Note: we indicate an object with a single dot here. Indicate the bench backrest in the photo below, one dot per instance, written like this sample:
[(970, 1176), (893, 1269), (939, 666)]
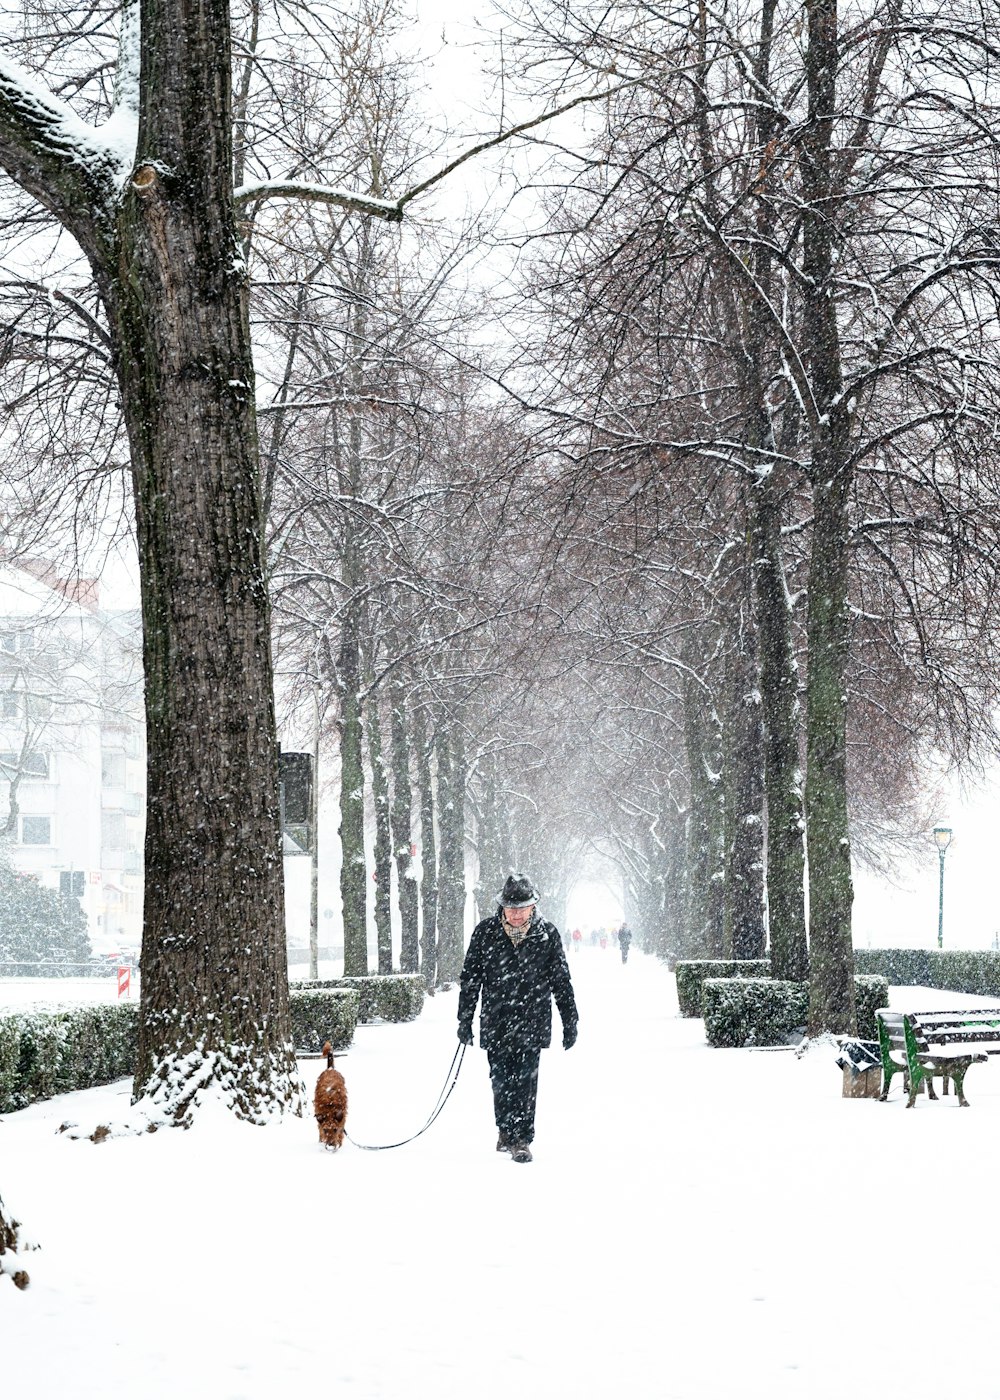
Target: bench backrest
[(891, 1035), (973, 1027)]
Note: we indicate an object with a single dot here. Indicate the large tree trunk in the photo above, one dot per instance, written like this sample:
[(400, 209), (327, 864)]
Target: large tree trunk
[(744, 799), (214, 936), (778, 672), (831, 987), (786, 863), (831, 1004)]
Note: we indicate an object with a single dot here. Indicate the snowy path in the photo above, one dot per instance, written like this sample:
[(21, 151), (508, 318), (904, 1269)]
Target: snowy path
[(696, 1225)]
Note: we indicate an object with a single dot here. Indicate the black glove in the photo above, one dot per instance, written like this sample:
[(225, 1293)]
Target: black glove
[(569, 1036), (465, 1034)]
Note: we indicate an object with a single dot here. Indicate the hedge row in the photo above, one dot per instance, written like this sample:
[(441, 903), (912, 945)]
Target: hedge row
[(691, 975), (399, 997), (742, 1011), (903, 967), (43, 1053), (949, 970), (870, 993), (320, 1014)]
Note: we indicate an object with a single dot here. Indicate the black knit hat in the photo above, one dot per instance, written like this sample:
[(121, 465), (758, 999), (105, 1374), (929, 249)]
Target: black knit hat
[(518, 892)]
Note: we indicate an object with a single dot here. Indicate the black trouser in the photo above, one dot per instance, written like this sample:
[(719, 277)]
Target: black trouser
[(514, 1073)]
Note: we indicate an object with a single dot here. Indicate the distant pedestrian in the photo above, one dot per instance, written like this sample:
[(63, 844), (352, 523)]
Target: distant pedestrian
[(577, 940), (516, 961), (624, 939)]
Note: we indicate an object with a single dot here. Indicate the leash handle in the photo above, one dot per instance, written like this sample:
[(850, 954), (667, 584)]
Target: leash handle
[(443, 1098)]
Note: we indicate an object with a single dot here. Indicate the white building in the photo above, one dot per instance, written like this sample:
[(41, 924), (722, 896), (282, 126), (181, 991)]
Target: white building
[(72, 751)]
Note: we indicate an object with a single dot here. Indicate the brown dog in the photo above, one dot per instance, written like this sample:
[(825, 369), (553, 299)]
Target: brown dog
[(330, 1103)]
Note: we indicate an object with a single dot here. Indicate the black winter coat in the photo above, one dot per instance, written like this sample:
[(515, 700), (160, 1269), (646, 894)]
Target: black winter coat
[(517, 985)]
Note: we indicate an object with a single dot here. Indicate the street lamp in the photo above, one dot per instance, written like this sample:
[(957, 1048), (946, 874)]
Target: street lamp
[(942, 839)]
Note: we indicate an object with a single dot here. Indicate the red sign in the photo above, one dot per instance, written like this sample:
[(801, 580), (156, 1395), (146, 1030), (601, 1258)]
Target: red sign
[(95, 877), (124, 981)]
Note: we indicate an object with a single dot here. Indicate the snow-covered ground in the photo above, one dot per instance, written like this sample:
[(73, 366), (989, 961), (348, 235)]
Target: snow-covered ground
[(697, 1225)]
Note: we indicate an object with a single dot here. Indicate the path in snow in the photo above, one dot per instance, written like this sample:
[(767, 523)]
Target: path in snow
[(696, 1225)]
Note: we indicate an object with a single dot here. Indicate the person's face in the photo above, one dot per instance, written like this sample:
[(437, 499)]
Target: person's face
[(517, 918)]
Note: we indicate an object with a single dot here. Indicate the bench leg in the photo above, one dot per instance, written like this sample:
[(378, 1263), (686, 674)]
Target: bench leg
[(887, 1079), (959, 1078)]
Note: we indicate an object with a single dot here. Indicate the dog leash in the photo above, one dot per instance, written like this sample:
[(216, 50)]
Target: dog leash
[(443, 1098)]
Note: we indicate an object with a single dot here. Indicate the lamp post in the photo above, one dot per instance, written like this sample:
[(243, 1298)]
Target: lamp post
[(942, 839)]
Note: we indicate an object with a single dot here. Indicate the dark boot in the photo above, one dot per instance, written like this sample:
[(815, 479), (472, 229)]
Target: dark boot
[(520, 1152), (503, 1143)]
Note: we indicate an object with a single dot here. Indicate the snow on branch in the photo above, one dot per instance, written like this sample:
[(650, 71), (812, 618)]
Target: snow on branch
[(55, 155), (259, 190)]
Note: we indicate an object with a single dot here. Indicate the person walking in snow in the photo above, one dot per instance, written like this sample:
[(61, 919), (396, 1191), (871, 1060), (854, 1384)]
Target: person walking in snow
[(624, 939), (516, 961)]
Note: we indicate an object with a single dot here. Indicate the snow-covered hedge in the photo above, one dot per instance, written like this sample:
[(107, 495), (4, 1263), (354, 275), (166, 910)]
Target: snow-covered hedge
[(901, 967), (869, 994), (43, 1053), (742, 1011), (691, 975), (321, 1014), (760, 1011), (949, 970), (399, 997)]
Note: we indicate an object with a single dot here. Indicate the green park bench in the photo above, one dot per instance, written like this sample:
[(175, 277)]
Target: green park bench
[(935, 1044)]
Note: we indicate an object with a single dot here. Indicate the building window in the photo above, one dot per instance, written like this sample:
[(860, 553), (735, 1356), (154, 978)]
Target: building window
[(38, 708), (112, 769), (14, 640), (113, 830), (36, 831), (33, 764), (72, 883), (10, 705)]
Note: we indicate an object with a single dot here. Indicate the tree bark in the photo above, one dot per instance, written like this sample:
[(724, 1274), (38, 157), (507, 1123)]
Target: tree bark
[(214, 974), (831, 1004), (451, 805), (786, 866), (383, 838), (831, 986), (744, 798), (428, 850), (492, 871), (353, 882), (704, 930), (402, 831)]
